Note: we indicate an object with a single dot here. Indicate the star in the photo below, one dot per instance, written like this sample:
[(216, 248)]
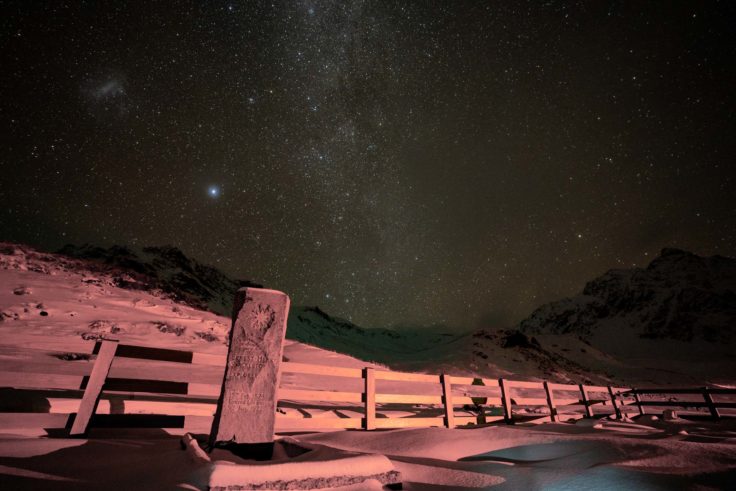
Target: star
[(377, 158)]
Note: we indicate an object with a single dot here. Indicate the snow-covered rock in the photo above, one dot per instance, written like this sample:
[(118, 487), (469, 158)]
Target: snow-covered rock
[(679, 296)]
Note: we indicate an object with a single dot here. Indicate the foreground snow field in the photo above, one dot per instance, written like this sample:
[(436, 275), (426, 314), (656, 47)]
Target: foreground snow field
[(589, 454), (61, 308)]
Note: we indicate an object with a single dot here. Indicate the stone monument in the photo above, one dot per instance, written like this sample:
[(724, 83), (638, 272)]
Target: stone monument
[(243, 428), (246, 411)]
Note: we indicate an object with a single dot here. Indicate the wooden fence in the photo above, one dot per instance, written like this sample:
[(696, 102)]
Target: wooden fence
[(136, 386)]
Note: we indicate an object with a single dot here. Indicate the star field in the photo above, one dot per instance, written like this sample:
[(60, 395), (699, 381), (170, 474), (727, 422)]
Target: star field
[(394, 163)]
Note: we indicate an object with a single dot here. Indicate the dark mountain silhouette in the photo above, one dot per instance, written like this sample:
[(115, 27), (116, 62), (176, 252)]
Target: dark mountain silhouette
[(679, 296)]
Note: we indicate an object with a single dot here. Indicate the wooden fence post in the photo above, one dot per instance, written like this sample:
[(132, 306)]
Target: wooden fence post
[(369, 398), (616, 409), (711, 405), (638, 402), (96, 381), (447, 400), (550, 402), (586, 402), (506, 401)]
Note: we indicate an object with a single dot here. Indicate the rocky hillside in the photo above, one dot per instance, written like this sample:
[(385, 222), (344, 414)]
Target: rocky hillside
[(167, 272), (164, 268), (671, 322), (679, 296)]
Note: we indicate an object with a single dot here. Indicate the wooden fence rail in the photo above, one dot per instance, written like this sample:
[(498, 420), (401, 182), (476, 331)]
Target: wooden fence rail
[(180, 390), (706, 393)]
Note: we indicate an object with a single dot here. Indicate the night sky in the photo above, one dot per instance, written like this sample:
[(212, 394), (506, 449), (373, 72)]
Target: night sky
[(392, 162)]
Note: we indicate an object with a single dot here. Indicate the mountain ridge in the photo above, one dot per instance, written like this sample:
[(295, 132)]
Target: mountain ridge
[(679, 296), (595, 337)]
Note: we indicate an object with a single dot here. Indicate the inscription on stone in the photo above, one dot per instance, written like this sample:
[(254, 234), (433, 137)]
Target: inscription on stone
[(247, 406)]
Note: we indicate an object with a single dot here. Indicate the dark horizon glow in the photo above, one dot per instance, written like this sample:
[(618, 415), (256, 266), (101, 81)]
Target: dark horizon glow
[(459, 163)]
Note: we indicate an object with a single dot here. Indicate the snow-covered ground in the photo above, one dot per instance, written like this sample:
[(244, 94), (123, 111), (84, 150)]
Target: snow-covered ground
[(62, 308), (647, 454)]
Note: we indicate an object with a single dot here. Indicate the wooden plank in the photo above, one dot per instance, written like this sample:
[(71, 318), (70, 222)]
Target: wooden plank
[(409, 422), (629, 409), (458, 400), (128, 406), (613, 402), (130, 368), (621, 390), (408, 399), (447, 400), (123, 368), (169, 408), (51, 366), (629, 401), (505, 401), (46, 346), (681, 390), (150, 353), (10, 421), (721, 390), (563, 387), (42, 350), (292, 367), (711, 406), (204, 390), (524, 384), (567, 402), (94, 387), (198, 424), (286, 423), (39, 381), (679, 404), (530, 401), (318, 395), (148, 386), (369, 398), (596, 388), (475, 390), (487, 382), (407, 377), (638, 404), (586, 403), (48, 343), (550, 402), (209, 359)]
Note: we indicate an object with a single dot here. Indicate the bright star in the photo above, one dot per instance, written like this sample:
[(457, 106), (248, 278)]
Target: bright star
[(213, 191)]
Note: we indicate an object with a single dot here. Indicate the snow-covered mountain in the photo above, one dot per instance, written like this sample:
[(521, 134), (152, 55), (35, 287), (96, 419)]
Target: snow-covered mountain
[(52, 305), (677, 316), (164, 268), (679, 296), (167, 273), (671, 322)]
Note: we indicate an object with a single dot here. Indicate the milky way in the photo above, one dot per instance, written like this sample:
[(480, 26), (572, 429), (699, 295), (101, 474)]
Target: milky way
[(451, 162)]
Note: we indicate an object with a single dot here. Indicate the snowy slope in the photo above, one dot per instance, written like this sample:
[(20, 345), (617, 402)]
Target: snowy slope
[(51, 302), (164, 268), (678, 296), (614, 331), (174, 301), (676, 317)]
